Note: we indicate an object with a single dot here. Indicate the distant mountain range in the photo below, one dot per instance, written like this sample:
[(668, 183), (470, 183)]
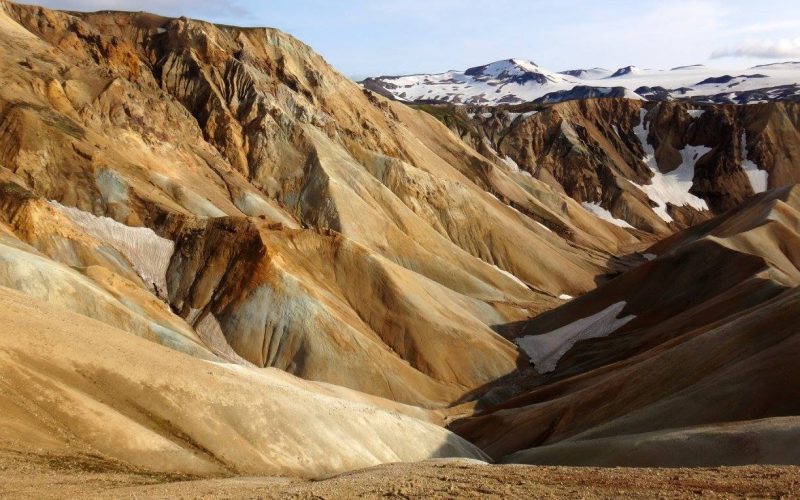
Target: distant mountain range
[(515, 81)]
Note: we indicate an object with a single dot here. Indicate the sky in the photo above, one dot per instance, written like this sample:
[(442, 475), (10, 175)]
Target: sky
[(394, 37)]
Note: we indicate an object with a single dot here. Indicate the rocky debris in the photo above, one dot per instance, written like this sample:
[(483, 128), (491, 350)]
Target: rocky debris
[(53, 476)]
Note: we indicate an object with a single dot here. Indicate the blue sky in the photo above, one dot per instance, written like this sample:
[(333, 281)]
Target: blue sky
[(376, 37)]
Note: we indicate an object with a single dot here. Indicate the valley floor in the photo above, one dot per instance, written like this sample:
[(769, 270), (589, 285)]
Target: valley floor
[(47, 476)]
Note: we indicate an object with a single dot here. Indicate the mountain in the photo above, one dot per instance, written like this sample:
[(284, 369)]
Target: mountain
[(223, 263), (500, 82), (234, 205), (682, 360), (628, 71), (656, 167), (521, 81), (588, 74)]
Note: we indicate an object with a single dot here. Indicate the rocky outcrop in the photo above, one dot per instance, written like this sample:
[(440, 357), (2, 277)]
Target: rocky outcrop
[(656, 166)]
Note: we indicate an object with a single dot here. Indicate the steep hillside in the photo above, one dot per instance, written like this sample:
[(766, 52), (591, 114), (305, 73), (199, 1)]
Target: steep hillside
[(76, 387), (287, 217), (657, 167), (682, 360)]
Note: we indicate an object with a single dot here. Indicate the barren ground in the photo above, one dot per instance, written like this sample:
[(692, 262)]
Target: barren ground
[(48, 476)]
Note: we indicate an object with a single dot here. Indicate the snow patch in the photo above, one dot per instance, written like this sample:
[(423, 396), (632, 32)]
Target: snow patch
[(511, 163), (759, 179), (696, 113), (601, 213), (148, 253), (630, 94), (564, 296), (672, 187), (650, 256), (519, 281), (547, 349), (524, 116)]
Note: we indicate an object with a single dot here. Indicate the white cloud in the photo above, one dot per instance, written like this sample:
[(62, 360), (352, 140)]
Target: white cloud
[(763, 49)]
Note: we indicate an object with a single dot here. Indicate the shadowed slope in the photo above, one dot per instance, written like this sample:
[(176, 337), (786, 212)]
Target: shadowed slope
[(711, 340)]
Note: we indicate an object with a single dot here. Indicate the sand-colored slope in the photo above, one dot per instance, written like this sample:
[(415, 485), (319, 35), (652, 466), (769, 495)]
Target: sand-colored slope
[(124, 306), (320, 306), (328, 309), (226, 193), (75, 385), (162, 125), (707, 338)]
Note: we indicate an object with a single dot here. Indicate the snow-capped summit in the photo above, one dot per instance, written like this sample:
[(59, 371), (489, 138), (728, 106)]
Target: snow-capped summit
[(512, 81), (517, 71), (506, 67), (588, 74), (628, 70), (501, 82)]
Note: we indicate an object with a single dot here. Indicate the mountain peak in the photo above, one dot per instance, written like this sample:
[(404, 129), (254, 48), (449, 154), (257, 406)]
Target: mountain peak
[(587, 74), (504, 68), (627, 70)]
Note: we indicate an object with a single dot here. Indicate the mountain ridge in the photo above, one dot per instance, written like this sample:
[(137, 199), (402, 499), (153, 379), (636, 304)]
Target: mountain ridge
[(531, 83)]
